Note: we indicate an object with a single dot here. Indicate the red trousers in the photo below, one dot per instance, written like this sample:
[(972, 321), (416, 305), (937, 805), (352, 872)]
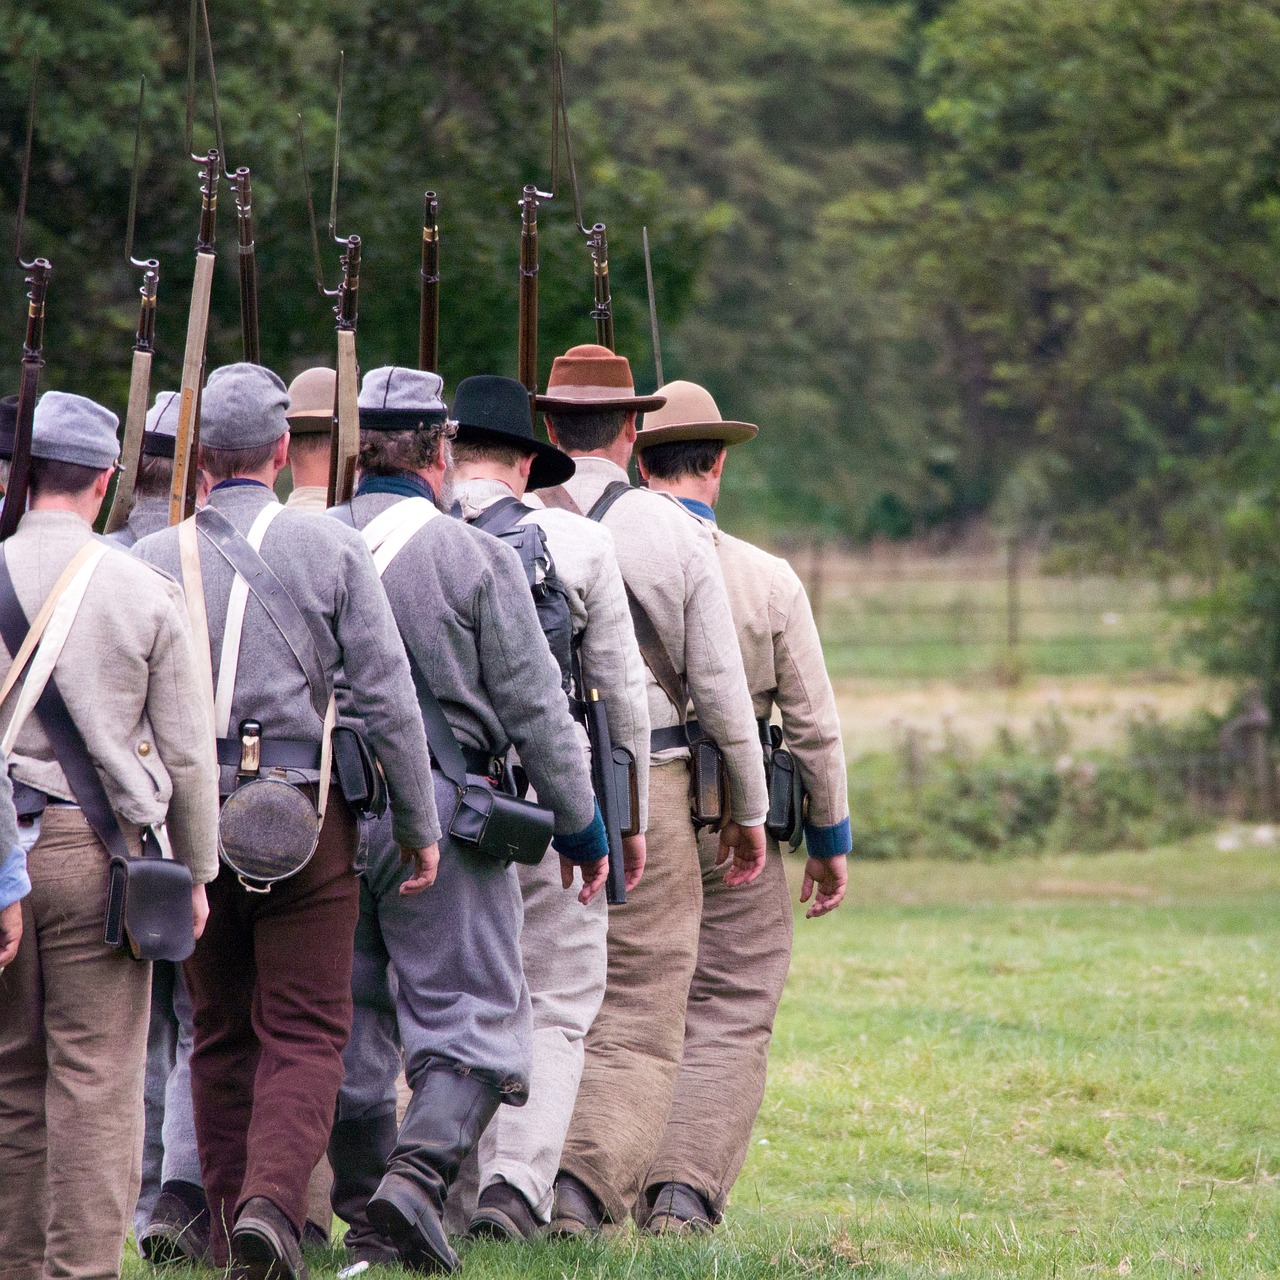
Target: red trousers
[(270, 985)]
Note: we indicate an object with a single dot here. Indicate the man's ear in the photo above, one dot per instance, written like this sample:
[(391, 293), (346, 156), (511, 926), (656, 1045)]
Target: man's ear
[(551, 430), (526, 466), (717, 467), (103, 482), (629, 431), (281, 458), (644, 471)]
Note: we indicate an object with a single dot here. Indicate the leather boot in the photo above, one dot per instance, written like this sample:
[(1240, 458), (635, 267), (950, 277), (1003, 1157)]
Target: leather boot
[(445, 1118), (358, 1151)]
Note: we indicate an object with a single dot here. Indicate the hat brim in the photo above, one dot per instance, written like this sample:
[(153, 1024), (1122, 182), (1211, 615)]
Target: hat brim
[(311, 423), (728, 433), (551, 466), (551, 403)]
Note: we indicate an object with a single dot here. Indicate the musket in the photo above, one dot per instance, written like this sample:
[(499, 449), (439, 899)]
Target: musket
[(429, 273), (528, 335), (143, 348), (186, 447), (243, 190), (38, 271), (345, 438), (653, 309)]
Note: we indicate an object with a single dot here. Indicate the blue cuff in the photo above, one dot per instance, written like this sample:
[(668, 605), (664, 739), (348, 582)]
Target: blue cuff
[(588, 845), (14, 881), (828, 842)]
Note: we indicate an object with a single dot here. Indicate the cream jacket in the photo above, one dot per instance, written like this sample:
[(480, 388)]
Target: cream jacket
[(129, 678), (309, 497)]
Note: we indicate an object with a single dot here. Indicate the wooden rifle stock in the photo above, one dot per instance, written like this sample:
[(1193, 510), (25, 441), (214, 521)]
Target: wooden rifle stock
[(248, 266), (602, 312), (15, 499), (136, 416), (429, 271), (345, 440), (528, 348)]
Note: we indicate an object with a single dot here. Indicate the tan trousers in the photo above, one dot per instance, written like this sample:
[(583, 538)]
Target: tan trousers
[(744, 950), (73, 1044), (634, 1048)]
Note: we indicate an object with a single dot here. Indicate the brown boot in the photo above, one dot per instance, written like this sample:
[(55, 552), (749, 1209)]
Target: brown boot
[(575, 1210), (264, 1244), (678, 1209)]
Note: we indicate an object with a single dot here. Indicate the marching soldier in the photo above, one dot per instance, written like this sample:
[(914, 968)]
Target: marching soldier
[(486, 681), (150, 511), (271, 980), (73, 1012), (310, 415), (744, 943), (496, 458), (686, 636)]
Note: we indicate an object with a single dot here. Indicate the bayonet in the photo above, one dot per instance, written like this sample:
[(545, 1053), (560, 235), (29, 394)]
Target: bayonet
[(653, 310), (429, 272), (143, 350), (38, 271)]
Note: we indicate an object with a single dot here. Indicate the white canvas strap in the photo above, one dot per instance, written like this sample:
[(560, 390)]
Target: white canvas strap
[(237, 602), (47, 636), (388, 532)]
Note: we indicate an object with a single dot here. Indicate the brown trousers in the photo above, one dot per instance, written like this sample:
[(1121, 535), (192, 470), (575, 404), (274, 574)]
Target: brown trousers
[(744, 951), (73, 1045), (634, 1048), (270, 985)]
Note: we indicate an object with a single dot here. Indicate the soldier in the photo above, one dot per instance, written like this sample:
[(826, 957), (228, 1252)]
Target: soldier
[(311, 397), (150, 511), (486, 681), (271, 981), (496, 458), (686, 636), (744, 943), (73, 1012)]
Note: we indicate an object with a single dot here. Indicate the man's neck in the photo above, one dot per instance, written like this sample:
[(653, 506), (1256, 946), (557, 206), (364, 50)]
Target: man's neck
[(695, 487), (306, 476), (508, 476), (619, 453), (264, 475), (84, 505)]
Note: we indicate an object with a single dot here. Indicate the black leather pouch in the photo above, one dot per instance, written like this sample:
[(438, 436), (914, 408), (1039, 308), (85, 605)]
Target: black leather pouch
[(708, 785), (501, 826), (359, 776), (786, 797), (627, 789), (149, 906)]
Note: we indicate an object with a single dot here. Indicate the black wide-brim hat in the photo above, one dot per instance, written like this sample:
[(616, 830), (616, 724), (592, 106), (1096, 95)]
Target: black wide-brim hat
[(494, 410)]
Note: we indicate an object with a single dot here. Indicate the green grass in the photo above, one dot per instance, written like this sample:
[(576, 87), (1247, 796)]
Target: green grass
[(1057, 1067)]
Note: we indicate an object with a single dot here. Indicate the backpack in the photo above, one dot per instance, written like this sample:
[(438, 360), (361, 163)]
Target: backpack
[(550, 598)]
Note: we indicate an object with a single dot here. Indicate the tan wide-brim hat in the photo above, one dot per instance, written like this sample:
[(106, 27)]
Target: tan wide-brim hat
[(311, 402), (691, 414), (589, 378)]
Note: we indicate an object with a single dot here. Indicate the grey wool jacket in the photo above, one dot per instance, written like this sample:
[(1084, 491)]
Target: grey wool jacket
[(588, 570), (668, 561), (464, 610), (129, 677), (328, 571), (149, 515)]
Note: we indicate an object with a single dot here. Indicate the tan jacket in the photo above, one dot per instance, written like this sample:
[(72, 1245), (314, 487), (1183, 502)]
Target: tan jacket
[(309, 497), (128, 675), (588, 570), (782, 655), (668, 560)]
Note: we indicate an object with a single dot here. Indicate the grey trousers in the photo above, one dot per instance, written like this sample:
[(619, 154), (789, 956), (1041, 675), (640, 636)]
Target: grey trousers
[(169, 1137), (564, 948), (437, 974)]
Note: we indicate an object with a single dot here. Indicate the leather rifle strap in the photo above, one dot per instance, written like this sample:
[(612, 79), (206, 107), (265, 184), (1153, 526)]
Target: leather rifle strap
[(558, 496)]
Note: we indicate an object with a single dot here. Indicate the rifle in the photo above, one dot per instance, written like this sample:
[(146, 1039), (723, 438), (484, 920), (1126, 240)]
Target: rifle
[(143, 349), (186, 448), (429, 271), (653, 310), (38, 272), (243, 189), (528, 339), (345, 438)]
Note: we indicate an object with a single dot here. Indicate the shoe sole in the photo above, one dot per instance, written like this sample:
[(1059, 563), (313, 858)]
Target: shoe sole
[(259, 1254), (493, 1224), (416, 1253), (669, 1225), (165, 1247)]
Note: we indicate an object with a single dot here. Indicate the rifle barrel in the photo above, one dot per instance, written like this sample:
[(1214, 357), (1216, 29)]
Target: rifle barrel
[(429, 305), (15, 503), (602, 312), (248, 267), (528, 348)]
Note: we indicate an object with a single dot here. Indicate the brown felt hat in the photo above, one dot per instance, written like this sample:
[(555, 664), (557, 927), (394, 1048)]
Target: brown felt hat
[(691, 414), (589, 378), (311, 402)]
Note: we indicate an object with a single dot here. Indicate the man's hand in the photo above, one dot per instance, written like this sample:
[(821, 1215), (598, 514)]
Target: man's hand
[(426, 861), (829, 876), (745, 845), (199, 908), (10, 932), (634, 854), (594, 876)]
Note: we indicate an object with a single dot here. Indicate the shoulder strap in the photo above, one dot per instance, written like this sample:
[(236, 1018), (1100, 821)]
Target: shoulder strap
[(389, 532), (270, 592), (558, 496), (612, 492), (55, 718), (502, 516)]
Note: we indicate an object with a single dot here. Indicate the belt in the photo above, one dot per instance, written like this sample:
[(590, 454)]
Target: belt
[(274, 753), (676, 735)]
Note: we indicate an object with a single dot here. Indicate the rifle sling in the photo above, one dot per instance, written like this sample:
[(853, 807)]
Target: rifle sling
[(69, 747)]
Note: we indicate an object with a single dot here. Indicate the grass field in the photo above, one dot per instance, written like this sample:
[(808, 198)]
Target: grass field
[(1047, 1068)]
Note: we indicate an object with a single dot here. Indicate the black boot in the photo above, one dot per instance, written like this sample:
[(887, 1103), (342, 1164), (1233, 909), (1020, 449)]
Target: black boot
[(446, 1116), (358, 1151)]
